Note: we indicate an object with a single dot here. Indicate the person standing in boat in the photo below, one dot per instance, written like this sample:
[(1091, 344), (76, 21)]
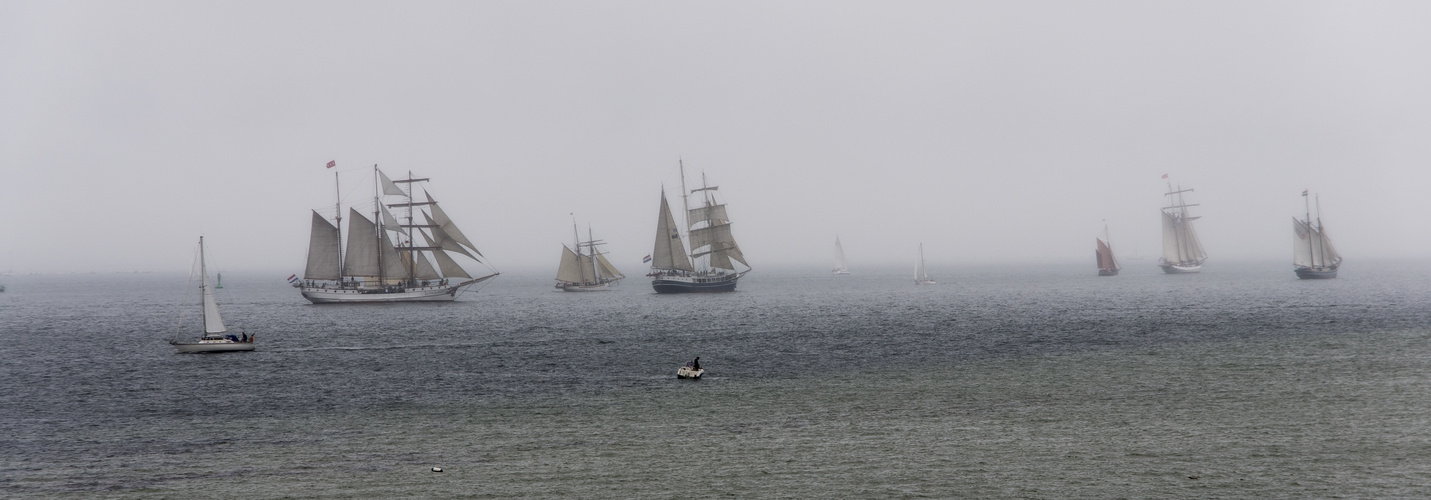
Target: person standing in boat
[(696, 365)]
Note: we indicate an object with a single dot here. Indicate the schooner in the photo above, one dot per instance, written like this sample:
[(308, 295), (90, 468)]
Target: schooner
[(1107, 264), (1182, 252), (708, 267), (375, 269), (587, 271), (1312, 253)]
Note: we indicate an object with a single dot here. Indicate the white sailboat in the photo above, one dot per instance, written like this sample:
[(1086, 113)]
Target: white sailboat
[(708, 267), (1182, 251), (216, 337), (1107, 264), (921, 275), (1313, 255), (374, 269), (587, 271), (841, 265)]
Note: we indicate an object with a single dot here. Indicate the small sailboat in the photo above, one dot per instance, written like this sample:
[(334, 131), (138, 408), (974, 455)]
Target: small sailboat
[(1182, 251), (1107, 264), (691, 370), (708, 267), (587, 271), (921, 275), (841, 265), (216, 337), (1313, 255)]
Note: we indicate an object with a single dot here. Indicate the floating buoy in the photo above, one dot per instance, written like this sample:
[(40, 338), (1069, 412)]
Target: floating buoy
[(437, 469)]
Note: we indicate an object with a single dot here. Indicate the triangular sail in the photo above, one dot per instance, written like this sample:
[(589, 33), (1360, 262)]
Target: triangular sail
[(424, 269), (607, 270), (1302, 244), (440, 238), (840, 263), (669, 252), (447, 226), (1106, 260), (323, 257), (389, 187), (449, 267), (213, 323)]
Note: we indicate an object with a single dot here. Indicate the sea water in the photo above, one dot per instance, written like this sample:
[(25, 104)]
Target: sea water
[(1008, 381)]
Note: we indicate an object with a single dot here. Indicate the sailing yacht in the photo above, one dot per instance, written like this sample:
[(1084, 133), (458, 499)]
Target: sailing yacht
[(1313, 255), (921, 275), (374, 269), (216, 337), (1182, 252), (1107, 264), (587, 271), (841, 265), (709, 266)]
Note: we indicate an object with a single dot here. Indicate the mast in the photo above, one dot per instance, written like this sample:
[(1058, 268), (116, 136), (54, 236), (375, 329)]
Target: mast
[(338, 209), (686, 209), (1307, 202), (591, 244), (1321, 250), (378, 224), (203, 287)]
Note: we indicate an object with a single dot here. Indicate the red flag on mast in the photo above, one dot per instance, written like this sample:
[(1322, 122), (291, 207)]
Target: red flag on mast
[(334, 163)]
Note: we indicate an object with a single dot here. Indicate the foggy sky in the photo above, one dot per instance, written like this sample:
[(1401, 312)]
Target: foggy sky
[(989, 131)]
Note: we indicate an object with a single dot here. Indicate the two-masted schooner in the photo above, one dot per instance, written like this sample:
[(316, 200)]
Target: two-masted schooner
[(841, 265), (1313, 255), (1182, 252), (709, 266), (374, 268), (1107, 264), (585, 271)]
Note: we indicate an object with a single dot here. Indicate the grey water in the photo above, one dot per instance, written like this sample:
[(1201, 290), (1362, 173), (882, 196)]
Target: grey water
[(1007, 381)]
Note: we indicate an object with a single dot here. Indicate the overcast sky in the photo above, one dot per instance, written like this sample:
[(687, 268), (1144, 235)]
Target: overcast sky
[(990, 131)]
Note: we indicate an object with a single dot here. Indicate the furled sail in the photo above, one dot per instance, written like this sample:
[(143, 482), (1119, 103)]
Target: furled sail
[(669, 252), (323, 244)]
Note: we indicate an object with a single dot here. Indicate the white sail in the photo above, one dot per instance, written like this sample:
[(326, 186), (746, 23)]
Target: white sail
[(449, 267), (570, 269), (389, 187), (1181, 245), (390, 223), (323, 257), (424, 269), (1106, 260), (841, 266), (362, 260), (448, 227), (213, 323), (441, 239), (669, 252), (1302, 244), (1328, 251), (608, 270), (713, 214)]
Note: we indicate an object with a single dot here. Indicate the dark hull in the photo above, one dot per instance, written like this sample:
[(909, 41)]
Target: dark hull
[(1308, 273), (673, 286)]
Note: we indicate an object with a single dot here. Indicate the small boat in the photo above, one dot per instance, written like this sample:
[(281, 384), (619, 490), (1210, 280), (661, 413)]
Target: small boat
[(708, 268), (585, 271), (1182, 251), (692, 370), (1313, 255), (1107, 264), (921, 275), (841, 265), (219, 280), (216, 337)]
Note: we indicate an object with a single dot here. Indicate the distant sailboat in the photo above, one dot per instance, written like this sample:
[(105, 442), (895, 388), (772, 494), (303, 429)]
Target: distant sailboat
[(219, 282), (373, 268), (587, 271), (921, 275), (1182, 252), (709, 267), (841, 266), (1313, 255), (1107, 264), (216, 337)]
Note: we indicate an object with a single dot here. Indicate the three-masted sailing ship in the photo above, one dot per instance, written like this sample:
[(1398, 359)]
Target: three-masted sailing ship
[(373, 268), (585, 271), (709, 266), (1313, 255), (841, 265), (1107, 264), (1182, 252)]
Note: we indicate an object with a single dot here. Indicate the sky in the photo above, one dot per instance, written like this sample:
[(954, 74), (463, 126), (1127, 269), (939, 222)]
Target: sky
[(992, 132)]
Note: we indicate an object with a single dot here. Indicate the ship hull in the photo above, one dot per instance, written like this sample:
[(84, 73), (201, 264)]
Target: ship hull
[(359, 295), (694, 284), (603, 287), (1309, 273), (1107, 272), (1171, 268), (222, 346)]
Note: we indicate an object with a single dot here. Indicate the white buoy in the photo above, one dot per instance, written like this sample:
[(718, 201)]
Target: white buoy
[(437, 469)]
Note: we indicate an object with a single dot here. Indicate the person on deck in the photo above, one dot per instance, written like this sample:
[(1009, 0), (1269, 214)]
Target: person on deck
[(696, 365)]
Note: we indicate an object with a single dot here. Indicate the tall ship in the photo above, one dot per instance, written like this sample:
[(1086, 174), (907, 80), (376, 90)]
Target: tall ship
[(841, 265), (709, 267), (375, 269), (1107, 263), (586, 269), (1182, 252), (1313, 255)]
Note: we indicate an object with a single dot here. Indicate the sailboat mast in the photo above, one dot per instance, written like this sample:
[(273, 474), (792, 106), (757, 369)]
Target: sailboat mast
[(1320, 238), (338, 209), (203, 287), (411, 242), (378, 224), (686, 205), (591, 244)]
